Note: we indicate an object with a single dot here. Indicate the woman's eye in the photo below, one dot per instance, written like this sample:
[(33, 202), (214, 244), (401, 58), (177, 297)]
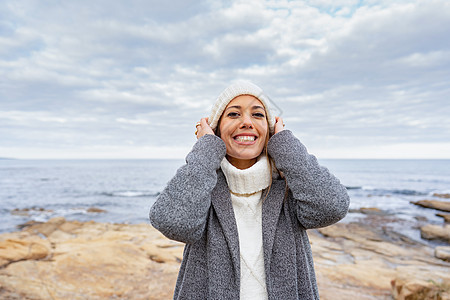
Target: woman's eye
[(233, 114), (259, 115)]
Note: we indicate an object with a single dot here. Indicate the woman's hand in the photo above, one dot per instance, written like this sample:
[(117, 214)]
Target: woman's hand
[(203, 128), (279, 125)]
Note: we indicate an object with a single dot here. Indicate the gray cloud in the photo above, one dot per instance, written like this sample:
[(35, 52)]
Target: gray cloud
[(113, 77)]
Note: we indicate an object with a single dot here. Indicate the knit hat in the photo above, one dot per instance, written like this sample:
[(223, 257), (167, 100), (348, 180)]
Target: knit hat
[(237, 89)]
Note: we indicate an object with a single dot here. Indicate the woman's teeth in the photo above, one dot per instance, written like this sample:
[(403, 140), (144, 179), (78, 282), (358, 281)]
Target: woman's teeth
[(244, 138)]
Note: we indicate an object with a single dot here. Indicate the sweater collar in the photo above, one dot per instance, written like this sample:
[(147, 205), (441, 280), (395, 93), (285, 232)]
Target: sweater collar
[(250, 180)]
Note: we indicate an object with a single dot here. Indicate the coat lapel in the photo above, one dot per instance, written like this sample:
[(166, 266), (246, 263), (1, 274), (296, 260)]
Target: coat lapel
[(270, 213), (221, 202)]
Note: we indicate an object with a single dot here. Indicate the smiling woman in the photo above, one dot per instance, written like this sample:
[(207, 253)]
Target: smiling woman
[(244, 129), (242, 204)]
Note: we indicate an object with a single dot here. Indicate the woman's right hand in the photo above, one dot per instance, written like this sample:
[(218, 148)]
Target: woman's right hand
[(203, 128)]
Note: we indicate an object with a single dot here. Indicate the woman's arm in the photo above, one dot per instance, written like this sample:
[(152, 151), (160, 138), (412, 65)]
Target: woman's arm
[(181, 210), (320, 199)]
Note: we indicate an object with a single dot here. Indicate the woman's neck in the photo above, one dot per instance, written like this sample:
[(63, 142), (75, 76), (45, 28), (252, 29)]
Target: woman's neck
[(241, 164)]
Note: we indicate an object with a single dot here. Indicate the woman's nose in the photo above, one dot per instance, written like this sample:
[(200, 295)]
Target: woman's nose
[(246, 121)]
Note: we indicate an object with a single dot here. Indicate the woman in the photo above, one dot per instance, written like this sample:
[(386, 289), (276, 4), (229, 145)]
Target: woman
[(242, 204)]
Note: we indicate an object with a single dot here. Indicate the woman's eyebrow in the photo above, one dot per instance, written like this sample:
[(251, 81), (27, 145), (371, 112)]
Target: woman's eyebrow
[(239, 107), (234, 106), (258, 106)]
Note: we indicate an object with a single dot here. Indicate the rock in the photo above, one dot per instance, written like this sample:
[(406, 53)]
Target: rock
[(27, 211), (28, 224), (407, 289), (435, 204), (369, 211), (445, 216), (421, 218), (30, 248), (442, 252), (95, 210), (436, 232), (447, 196), (88, 260), (48, 227)]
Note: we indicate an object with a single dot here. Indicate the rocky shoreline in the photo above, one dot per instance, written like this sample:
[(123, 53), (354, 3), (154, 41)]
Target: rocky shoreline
[(62, 259)]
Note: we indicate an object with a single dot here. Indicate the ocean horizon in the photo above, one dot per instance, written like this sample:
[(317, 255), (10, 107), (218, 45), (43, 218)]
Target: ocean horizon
[(122, 190)]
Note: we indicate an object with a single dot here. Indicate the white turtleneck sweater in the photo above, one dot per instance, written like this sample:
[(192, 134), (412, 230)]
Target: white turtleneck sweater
[(246, 188)]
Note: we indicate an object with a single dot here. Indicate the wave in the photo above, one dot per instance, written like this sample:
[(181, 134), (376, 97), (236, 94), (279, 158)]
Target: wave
[(377, 191), (130, 194), (353, 187)]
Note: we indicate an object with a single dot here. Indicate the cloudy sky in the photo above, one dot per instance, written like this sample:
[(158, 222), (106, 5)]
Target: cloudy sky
[(129, 79)]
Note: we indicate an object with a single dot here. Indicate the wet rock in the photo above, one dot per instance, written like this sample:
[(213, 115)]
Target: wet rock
[(95, 210), (435, 204), (28, 211), (370, 211), (28, 224), (445, 216), (447, 196), (436, 232), (442, 252), (48, 227)]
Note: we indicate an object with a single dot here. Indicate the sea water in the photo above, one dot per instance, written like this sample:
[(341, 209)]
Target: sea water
[(125, 189)]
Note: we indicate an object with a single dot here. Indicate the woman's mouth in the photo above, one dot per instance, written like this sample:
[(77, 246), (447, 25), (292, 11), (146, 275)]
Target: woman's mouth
[(245, 138)]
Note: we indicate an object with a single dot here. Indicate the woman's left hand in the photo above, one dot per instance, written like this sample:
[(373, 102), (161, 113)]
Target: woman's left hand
[(279, 125)]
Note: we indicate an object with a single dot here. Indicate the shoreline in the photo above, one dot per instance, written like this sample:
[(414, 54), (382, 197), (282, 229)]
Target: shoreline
[(61, 259)]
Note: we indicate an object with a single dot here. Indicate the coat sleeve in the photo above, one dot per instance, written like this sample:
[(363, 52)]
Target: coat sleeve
[(319, 198), (181, 210)]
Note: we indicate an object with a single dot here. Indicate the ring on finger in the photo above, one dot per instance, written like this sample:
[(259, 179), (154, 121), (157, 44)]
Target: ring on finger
[(198, 123), (196, 131)]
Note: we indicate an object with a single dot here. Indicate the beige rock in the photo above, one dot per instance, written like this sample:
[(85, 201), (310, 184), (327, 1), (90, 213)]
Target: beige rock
[(442, 252), (436, 232), (95, 210), (93, 261), (107, 261), (48, 227), (445, 216), (442, 195), (435, 204), (31, 248), (413, 289)]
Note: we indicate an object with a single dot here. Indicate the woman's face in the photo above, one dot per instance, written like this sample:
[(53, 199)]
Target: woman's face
[(243, 127)]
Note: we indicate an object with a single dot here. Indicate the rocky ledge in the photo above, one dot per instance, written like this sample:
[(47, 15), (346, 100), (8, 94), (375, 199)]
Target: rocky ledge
[(63, 259)]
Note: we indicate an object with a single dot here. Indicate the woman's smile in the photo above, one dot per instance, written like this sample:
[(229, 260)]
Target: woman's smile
[(245, 139)]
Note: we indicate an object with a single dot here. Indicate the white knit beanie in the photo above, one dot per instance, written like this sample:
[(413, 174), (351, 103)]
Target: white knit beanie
[(237, 89)]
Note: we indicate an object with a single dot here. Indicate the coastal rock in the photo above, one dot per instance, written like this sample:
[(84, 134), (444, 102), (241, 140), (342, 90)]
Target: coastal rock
[(26, 247), (447, 196), (442, 252), (88, 260), (27, 211), (369, 211), (435, 204), (407, 289), (48, 227), (95, 210), (436, 232), (357, 258), (445, 216)]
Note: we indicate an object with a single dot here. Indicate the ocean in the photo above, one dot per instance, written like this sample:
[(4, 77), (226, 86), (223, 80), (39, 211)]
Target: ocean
[(125, 189)]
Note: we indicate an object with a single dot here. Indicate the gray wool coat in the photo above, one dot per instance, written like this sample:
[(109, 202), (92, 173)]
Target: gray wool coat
[(195, 208)]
